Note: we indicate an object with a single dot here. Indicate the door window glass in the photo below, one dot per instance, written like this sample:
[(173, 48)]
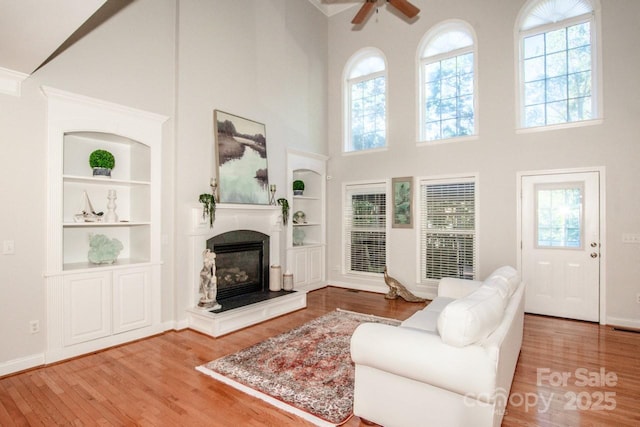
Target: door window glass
[(559, 216)]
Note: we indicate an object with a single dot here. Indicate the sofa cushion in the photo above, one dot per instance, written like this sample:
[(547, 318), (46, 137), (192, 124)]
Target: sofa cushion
[(427, 318), (508, 275), (500, 284), (472, 318)]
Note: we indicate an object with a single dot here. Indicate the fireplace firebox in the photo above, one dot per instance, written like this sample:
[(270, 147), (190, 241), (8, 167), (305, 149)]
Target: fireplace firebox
[(242, 263)]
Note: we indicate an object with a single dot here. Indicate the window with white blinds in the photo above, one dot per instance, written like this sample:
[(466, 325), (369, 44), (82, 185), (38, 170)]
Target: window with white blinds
[(365, 228), (448, 229)]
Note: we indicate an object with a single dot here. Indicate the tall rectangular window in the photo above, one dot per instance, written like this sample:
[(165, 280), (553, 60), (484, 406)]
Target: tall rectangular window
[(448, 229), (448, 82), (365, 97), (368, 115), (365, 228), (449, 97), (558, 57), (557, 76)]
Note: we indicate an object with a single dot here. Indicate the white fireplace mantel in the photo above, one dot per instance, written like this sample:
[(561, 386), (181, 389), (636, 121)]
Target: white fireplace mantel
[(231, 216)]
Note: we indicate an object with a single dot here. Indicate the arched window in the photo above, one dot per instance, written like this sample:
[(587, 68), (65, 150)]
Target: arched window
[(365, 94), (447, 91), (557, 62)]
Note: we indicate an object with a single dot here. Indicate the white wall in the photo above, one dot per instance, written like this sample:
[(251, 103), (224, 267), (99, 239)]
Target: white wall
[(263, 60), (499, 152), (127, 60), (267, 60)]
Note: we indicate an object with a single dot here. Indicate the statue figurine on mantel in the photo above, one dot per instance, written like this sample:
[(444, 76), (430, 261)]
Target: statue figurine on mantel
[(397, 289), (208, 282)]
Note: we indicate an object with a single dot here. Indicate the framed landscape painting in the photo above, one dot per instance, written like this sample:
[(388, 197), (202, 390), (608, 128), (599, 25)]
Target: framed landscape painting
[(241, 159), (402, 192)]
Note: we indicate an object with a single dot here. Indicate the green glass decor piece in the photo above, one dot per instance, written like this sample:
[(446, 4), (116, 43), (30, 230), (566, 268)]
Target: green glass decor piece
[(103, 250)]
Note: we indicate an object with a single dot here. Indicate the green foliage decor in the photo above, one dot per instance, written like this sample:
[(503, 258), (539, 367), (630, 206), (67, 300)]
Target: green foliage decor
[(208, 207), (285, 209), (102, 159), (298, 185)]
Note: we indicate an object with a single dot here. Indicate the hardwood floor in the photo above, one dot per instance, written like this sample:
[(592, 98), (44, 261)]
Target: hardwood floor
[(153, 382)]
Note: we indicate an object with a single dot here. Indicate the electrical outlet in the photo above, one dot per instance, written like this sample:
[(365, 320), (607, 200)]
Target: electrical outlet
[(34, 326), (8, 247), (638, 298)]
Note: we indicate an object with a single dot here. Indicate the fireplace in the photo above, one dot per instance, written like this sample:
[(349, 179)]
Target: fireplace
[(242, 262), (263, 220)]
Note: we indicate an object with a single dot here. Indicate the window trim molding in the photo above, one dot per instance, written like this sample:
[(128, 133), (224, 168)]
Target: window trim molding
[(595, 17), (428, 37), (449, 178), (346, 96), (386, 183)]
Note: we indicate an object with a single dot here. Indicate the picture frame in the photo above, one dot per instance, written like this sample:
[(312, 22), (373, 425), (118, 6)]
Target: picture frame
[(240, 159), (402, 202)]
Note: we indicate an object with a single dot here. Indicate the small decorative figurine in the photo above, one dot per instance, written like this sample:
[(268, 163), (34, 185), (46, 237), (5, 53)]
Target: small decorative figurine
[(208, 282), (397, 289)]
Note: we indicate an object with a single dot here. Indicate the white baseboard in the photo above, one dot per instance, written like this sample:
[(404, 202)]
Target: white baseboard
[(426, 293), (21, 364), (620, 321), (177, 325)]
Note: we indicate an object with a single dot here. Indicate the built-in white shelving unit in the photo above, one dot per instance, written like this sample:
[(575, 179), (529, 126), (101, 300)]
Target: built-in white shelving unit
[(306, 240), (93, 306)]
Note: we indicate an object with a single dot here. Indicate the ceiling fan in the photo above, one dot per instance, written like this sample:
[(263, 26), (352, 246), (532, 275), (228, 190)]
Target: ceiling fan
[(403, 6)]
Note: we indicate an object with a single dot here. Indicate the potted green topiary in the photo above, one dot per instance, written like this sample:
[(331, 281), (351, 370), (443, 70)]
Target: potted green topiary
[(102, 162), (298, 187)]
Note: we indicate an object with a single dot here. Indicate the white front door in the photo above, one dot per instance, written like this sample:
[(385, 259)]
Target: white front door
[(561, 244)]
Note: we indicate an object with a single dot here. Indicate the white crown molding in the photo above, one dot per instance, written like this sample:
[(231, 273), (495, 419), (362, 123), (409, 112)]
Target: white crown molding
[(11, 81), (58, 94), (332, 7)]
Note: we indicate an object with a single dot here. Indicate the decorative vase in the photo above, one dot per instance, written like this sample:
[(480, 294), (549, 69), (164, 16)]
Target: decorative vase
[(298, 192), (287, 281), (275, 278), (298, 236), (111, 215)]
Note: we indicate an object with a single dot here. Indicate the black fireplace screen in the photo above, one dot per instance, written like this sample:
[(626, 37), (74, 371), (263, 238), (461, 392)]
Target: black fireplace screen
[(242, 262)]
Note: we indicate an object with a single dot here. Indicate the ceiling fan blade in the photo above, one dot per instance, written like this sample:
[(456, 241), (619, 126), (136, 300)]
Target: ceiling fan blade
[(405, 7), (363, 12)]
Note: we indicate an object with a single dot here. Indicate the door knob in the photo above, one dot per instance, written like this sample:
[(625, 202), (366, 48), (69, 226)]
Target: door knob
[(594, 244), (594, 255)]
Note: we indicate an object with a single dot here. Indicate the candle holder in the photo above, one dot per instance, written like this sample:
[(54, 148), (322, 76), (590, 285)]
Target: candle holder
[(272, 191), (214, 189)]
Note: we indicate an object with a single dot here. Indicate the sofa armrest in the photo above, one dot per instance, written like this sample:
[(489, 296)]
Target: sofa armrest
[(423, 357), (450, 287)]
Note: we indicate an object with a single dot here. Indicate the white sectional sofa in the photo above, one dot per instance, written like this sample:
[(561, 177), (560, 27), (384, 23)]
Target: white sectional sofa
[(450, 364)]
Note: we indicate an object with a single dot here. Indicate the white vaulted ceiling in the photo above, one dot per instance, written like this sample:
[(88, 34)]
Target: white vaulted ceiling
[(32, 30)]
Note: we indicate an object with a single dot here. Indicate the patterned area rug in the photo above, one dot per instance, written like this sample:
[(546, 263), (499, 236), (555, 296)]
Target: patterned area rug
[(306, 371)]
